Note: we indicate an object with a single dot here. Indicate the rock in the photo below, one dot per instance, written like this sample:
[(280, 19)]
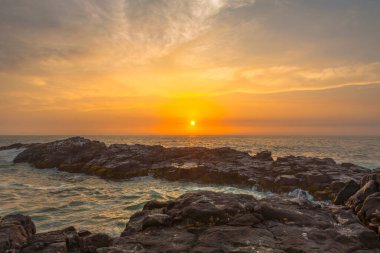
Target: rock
[(55, 241), (369, 214), (337, 186), (215, 222), (94, 241), (217, 166), (359, 197), (264, 156), (374, 176), (220, 222), (348, 190), (287, 180), (156, 220), (315, 178), (70, 154), (15, 230)]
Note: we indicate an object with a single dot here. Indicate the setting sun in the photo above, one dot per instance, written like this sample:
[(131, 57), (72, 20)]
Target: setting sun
[(192, 123)]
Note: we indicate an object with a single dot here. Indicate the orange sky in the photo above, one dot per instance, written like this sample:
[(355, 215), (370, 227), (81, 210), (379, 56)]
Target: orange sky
[(151, 67)]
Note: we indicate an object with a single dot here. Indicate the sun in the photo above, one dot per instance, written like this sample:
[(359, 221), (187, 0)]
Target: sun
[(192, 123)]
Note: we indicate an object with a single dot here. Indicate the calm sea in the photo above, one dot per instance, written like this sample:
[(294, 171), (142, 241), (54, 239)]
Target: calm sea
[(57, 199)]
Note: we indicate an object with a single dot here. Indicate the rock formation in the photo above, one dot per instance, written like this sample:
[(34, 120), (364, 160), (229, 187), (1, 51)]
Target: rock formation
[(324, 178), (209, 222)]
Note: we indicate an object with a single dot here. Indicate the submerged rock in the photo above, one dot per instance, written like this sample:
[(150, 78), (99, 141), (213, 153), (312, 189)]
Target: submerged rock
[(323, 178)]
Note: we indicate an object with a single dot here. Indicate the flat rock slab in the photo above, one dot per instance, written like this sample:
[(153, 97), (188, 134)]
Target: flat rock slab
[(324, 178)]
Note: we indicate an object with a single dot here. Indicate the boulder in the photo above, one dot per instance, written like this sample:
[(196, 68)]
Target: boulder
[(55, 241), (92, 242), (358, 198), (348, 190), (220, 222), (264, 156), (15, 230), (369, 214)]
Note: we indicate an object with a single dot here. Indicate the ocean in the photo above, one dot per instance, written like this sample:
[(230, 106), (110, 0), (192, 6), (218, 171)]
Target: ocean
[(58, 199)]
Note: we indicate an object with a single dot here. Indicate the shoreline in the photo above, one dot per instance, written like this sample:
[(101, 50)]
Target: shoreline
[(199, 220), (207, 221), (323, 178)]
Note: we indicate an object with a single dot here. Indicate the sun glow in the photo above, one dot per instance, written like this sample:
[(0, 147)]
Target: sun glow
[(193, 123)]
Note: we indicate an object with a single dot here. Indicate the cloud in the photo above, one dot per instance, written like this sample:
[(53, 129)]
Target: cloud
[(112, 32)]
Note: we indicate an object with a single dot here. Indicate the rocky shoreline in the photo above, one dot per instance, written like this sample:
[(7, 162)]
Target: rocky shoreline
[(323, 178), (210, 221)]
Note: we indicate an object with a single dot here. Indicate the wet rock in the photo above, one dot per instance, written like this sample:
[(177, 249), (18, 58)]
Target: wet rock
[(92, 242), (264, 156), (369, 213), (359, 197), (216, 222), (15, 230), (156, 220), (219, 222), (70, 154), (55, 241), (218, 165), (13, 146), (287, 180), (348, 190), (152, 241)]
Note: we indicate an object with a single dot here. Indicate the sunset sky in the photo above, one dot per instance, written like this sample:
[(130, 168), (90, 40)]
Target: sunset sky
[(153, 66)]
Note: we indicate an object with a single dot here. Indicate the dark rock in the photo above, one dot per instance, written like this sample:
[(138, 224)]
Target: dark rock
[(156, 220), (347, 165), (348, 190), (16, 146), (287, 180), (264, 156), (55, 241), (337, 186), (219, 222), (215, 222), (359, 197), (94, 241), (15, 230), (369, 213), (218, 165), (70, 154), (83, 233)]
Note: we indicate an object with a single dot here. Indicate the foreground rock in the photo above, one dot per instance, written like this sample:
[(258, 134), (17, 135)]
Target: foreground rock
[(216, 222), (365, 202), (210, 222), (18, 234), (324, 178)]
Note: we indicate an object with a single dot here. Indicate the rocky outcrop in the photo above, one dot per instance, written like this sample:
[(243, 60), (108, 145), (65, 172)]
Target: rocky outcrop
[(217, 222), (18, 234), (15, 230), (324, 178), (365, 202), (17, 146), (212, 222)]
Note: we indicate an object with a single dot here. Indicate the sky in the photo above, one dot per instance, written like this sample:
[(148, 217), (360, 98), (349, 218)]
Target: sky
[(153, 66)]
